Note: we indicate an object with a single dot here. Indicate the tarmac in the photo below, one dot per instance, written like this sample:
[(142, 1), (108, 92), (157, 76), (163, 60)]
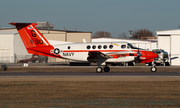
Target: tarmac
[(63, 69)]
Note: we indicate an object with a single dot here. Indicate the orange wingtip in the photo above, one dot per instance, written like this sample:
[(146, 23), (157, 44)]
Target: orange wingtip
[(14, 23)]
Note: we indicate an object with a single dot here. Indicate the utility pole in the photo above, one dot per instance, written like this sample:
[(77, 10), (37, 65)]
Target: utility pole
[(130, 35)]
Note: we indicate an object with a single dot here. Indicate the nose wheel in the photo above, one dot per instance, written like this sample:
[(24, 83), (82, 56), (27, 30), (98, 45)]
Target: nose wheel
[(153, 69), (99, 69)]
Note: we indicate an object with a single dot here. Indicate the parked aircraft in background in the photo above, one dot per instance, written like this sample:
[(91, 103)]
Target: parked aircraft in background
[(99, 52)]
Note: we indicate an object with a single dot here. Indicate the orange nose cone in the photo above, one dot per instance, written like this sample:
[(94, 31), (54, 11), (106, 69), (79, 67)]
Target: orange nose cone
[(154, 55), (151, 55)]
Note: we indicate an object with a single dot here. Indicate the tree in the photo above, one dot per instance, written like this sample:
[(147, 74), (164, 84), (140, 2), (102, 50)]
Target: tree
[(142, 34), (100, 34)]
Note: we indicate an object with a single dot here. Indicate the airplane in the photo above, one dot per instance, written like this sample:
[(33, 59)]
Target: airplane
[(99, 52)]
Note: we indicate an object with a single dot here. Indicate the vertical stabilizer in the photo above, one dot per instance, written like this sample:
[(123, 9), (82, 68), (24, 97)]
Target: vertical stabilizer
[(30, 36), (33, 40)]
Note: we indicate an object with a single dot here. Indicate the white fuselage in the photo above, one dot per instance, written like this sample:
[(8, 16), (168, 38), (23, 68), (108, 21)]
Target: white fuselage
[(80, 51)]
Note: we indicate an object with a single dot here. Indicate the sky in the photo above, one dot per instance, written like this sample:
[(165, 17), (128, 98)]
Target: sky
[(114, 16)]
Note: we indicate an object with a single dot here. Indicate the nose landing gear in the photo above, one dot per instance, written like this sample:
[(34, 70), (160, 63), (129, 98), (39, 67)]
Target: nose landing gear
[(153, 69)]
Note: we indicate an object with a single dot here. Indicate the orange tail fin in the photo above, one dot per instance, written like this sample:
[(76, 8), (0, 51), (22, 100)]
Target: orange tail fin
[(33, 40), (30, 36)]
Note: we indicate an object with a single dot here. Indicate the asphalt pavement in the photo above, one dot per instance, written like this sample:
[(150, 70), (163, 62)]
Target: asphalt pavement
[(89, 74), (60, 70)]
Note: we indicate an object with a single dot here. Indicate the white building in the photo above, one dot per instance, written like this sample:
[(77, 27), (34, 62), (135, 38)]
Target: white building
[(10, 44), (6, 54), (169, 40), (144, 44)]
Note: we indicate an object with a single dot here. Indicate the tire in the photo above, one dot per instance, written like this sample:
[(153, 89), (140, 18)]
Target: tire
[(99, 69), (167, 64), (130, 64), (153, 69), (106, 69)]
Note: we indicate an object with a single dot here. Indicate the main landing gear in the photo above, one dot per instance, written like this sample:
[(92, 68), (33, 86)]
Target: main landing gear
[(100, 69)]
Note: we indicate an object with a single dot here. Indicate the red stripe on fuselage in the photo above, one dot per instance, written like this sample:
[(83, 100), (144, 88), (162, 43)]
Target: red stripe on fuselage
[(95, 50)]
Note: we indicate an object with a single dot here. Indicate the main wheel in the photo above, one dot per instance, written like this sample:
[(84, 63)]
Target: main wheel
[(153, 69), (99, 69), (167, 64), (130, 64), (106, 69)]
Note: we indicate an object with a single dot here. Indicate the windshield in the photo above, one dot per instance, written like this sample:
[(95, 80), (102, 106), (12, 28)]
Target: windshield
[(131, 46)]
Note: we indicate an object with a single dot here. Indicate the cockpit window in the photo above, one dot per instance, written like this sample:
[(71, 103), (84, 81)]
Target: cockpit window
[(131, 46), (123, 46)]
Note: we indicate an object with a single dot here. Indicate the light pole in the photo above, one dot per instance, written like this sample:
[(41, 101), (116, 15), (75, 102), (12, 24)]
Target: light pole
[(130, 35)]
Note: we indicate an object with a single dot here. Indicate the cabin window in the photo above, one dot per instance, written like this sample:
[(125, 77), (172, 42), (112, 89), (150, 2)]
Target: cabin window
[(69, 47), (94, 47), (88, 47), (110, 46), (123, 46), (105, 46), (99, 47)]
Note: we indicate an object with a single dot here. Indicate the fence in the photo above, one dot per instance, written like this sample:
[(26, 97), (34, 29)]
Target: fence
[(29, 58)]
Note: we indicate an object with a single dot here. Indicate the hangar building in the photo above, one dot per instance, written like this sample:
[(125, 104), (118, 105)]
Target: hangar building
[(12, 48), (169, 40)]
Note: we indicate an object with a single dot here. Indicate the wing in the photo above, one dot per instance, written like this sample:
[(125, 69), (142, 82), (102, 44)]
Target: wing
[(123, 52), (96, 55)]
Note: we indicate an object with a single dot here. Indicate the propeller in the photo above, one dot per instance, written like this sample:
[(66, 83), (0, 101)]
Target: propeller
[(138, 60)]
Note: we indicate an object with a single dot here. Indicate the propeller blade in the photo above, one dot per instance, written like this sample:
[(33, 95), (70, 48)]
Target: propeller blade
[(137, 59)]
